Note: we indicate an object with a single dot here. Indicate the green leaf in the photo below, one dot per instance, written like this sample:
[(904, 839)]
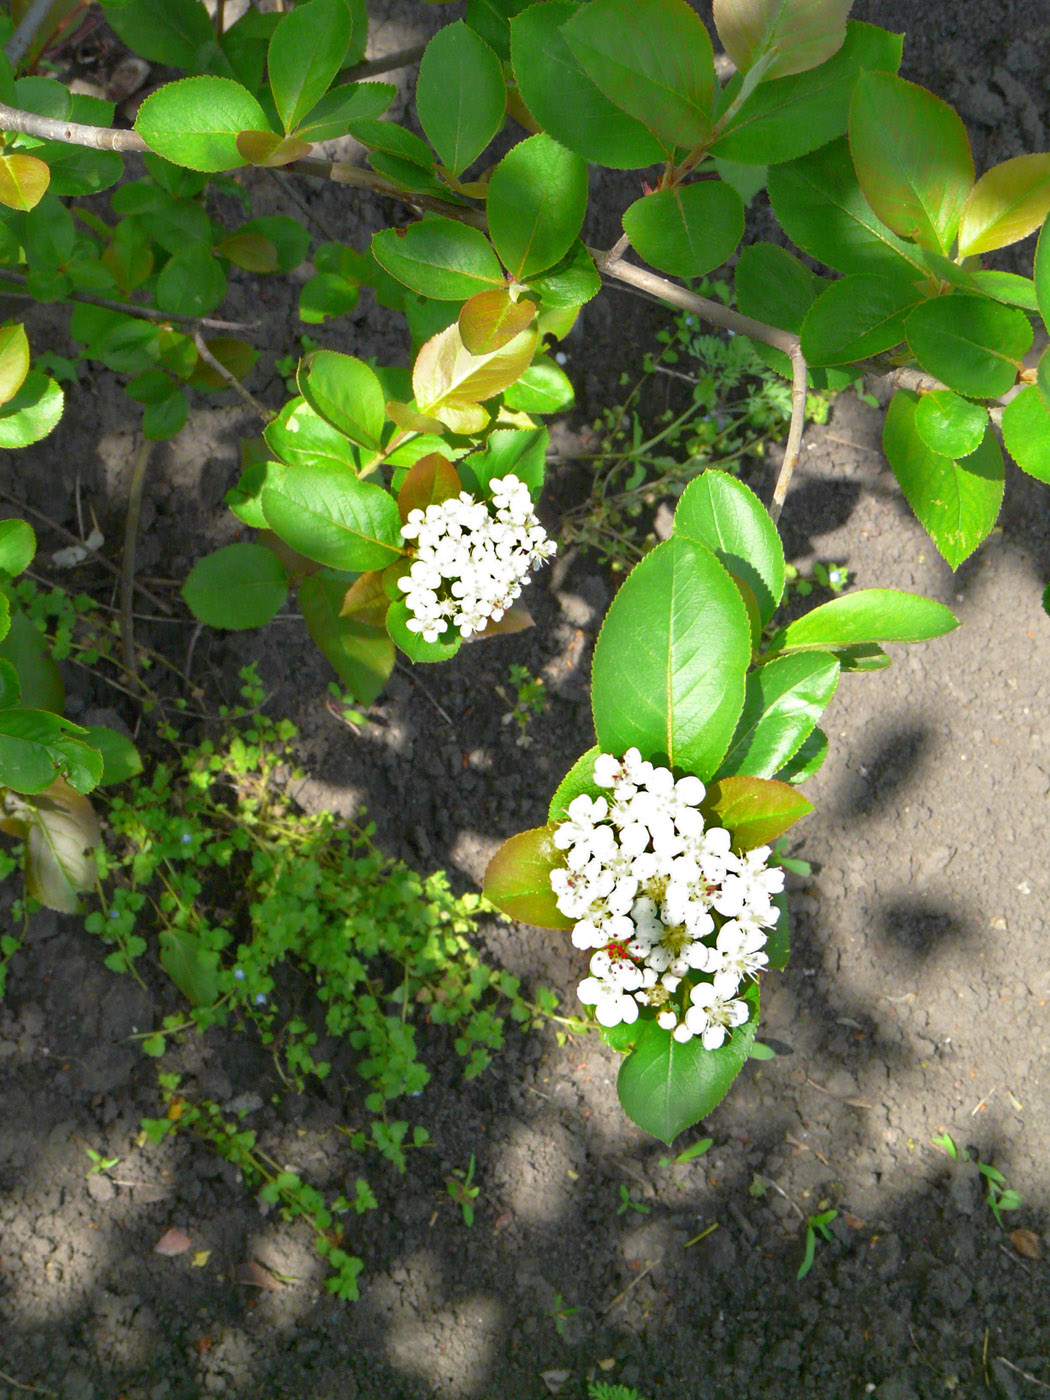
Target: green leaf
[(517, 880), (360, 651), (688, 230), (973, 345), (666, 1086), (653, 59), (290, 241), (811, 754), (542, 388), (788, 117), (306, 52), (17, 547), (725, 515), (23, 180), (346, 393), (1041, 274), (522, 451), (950, 425), (537, 197), (449, 383), (192, 283), (819, 204), (578, 780), (10, 690), (300, 436), (32, 413), (912, 158), (773, 286), (191, 965), (1004, 286), (460, 95), (32, 753), (565, 102), (120, 757), (331, 516), (872, 615), (165, 417), (412, 643), (339, 109), (439, 258), (1008, 202), (755, 810), (669, 663), (800, 34), (195, 122), (389, 138), (569, 283), (782, 703), (164, 31), (240, 586), (957, 502), (860, 315), (39, 679), (1026, 432)]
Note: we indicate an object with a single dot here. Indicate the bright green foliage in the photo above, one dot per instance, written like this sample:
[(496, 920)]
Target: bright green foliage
[(195, 122), (460, 96), (243, 585), (537, 198), (689, 230)]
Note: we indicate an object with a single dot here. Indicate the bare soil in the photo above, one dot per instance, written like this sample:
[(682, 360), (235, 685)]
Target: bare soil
[(915, 1001)]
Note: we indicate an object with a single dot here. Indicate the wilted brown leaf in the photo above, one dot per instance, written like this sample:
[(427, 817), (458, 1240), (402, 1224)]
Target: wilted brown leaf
[(172, 1241), (1026, 1242)]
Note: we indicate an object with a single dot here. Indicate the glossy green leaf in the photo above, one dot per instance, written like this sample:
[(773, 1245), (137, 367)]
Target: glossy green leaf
[(32, 413), (346, 393), (755, 810), (490, 19), (669, 663), (688, 230), (784, 119), (1026, 432), (569, 283), (652, 59), (810, 755), (871, 615), (439, 258), (1041, 274), (973, 345), (542, 388), (537, 197), (299, 435), (819, 204), (565, 101), (950, 425), (773, 286), (860, 315), (10, 689), (517, 880), (195, 122), (338, 109), (25, 647), (240, 586), (359, 650), (32, 749), (796, 34), (460, 95), (17, 547), (395, 140), (782, 703), (956, 502), (330, 515), (164, 31), (522, 451), (725, 515), (912, 158), (412, 643), (666, 1086), (1004, 286), (306, 51), (1008, 202), (578, 780)]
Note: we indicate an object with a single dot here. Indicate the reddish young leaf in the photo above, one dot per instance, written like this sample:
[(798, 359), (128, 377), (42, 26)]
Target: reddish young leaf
[(518, 879), (430, 480), (490, 319), (754, 810)]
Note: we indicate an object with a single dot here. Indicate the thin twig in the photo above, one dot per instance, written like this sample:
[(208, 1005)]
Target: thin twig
[(21, 41), (417, 682), (99, 138), (385, 63), (127, 573), (147, 313), (230, 380), (650, 1265), (794, 437), (344, 172), (95, 557), (1026, 1374), (20, 1385), (288, 189)]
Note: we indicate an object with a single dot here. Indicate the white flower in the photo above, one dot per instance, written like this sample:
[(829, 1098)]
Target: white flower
[(711, 1016), (612, 1005)]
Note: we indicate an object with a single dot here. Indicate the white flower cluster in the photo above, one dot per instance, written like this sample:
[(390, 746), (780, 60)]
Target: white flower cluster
[(472, 558), (662, 899)]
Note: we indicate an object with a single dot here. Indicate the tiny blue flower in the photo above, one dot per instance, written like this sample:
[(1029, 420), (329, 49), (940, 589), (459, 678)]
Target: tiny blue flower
[(185, 838), (260, 997), (114, 913), (238, 973)]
